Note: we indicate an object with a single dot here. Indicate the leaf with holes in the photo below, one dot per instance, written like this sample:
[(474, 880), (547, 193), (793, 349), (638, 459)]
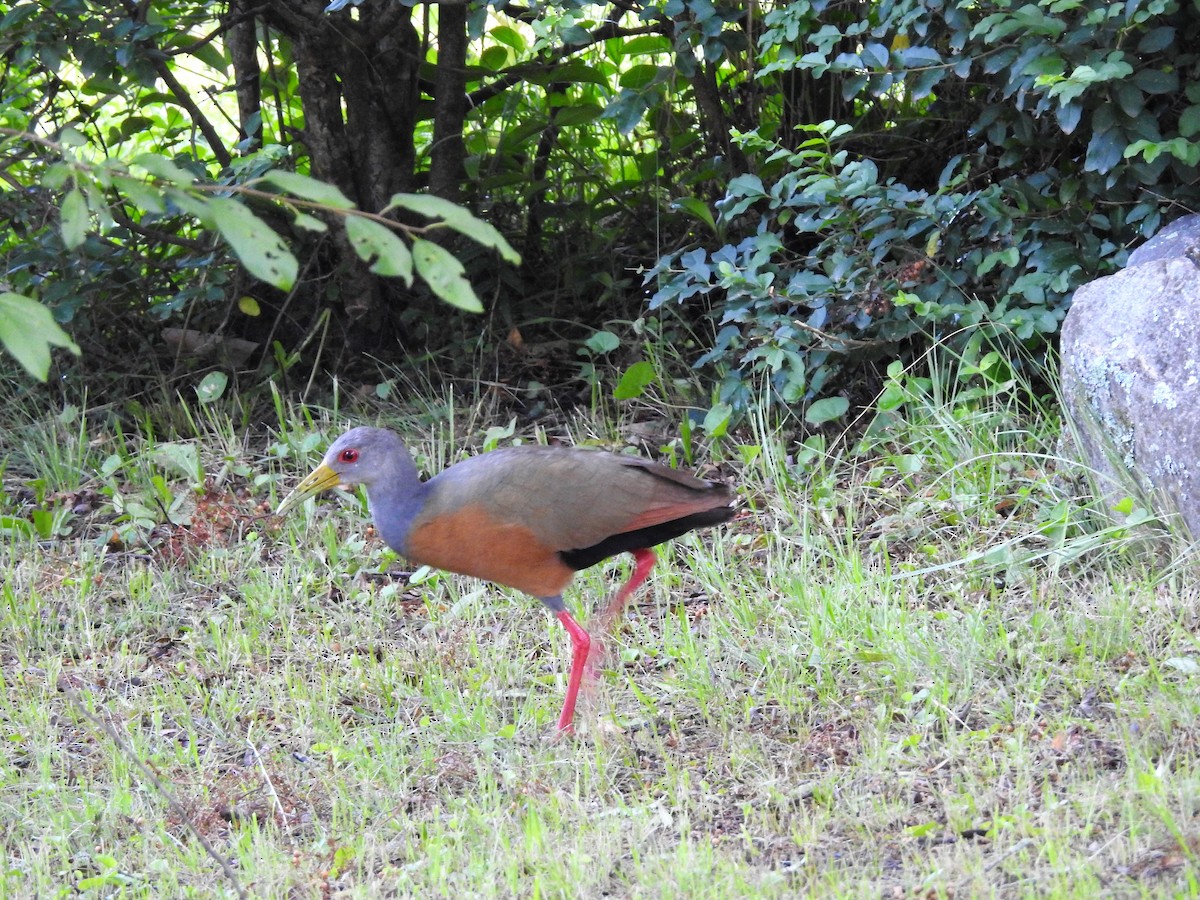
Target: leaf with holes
[(459, 219), (381, 247), (261, 250), (444, 274)]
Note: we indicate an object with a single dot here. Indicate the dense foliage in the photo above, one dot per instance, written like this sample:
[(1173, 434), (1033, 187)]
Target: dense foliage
[(827, 184), (992, 157)]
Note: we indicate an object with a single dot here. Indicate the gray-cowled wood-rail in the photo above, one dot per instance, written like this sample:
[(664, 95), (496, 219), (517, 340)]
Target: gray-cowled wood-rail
[(525, 517)]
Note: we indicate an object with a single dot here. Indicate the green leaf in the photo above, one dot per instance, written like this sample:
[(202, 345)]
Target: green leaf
[(309, 189), (1189, 122), (602, 342), (74, 219), (457, 218), (506, 34), (212, 386), (578, 114), (444, 274), (14, 527), (181, 458), (645, 45), (380, 246), (826, 410), (261, 250), (1009, 256), (144, 196), (309, 223), (161, 167), (28, 331), (192, 205), (494, 58), (637, 77), (716, 420), (1185, 664), (634, 381), (697, 208)]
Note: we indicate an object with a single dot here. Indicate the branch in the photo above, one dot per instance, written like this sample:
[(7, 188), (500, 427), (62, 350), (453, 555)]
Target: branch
[(551, 57), (226, 24), (198, 118), (156, 234)]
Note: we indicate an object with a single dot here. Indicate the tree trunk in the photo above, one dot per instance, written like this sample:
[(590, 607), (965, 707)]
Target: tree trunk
[(446, 170), (243, 53), (358, 86)]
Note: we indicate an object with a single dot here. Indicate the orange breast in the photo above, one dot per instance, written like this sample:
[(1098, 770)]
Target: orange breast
[(470, 542)]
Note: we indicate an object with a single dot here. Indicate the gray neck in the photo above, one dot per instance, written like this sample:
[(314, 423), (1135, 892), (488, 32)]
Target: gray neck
[(395, 496)]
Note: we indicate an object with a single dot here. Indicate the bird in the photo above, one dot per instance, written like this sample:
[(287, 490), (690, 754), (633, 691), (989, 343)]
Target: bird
[(526, 517)]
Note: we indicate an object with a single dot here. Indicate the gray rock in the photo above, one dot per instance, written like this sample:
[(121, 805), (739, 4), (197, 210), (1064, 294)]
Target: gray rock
[(1179, 239), (1131, 383)]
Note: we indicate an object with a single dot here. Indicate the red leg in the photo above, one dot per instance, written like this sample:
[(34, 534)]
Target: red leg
[(581, 643), (644, 560)]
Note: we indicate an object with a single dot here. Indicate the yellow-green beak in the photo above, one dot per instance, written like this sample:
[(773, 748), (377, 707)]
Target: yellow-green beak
[(322, 478)]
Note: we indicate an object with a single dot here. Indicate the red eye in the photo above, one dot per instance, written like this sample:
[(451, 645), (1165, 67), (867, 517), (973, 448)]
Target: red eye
[(348, 456)]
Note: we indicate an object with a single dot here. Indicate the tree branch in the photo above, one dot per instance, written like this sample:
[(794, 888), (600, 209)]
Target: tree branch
[(553, 57)]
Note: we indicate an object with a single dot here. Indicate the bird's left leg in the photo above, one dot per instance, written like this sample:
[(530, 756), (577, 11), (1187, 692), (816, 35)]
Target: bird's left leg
[(643, 561), (581, 644)]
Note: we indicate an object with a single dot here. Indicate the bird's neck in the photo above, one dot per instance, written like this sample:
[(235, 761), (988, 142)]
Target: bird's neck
[(395, 500)]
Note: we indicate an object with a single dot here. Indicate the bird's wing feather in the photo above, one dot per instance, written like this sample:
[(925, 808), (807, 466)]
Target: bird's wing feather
[(569, 498)]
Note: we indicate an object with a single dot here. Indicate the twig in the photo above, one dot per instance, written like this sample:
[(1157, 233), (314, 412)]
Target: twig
[(283, 819), (175, 805)]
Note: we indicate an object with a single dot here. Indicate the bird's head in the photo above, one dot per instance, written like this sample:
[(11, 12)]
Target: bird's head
[(360, 456)]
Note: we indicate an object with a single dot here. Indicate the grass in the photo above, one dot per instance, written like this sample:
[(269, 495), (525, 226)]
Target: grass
[(911, 669)]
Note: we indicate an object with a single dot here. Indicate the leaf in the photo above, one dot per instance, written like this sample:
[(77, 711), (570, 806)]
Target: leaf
[(602, 342), (161, 167), (181, 458), (444, 274), (506, 34), (28, 331), (637, 77), (74, 219), (826, 410), (578, 114), (146, 197), (634, 381), (13, 527), (697, 208), (211, 387), (1189, 121), (716, 420), (380, 246), (309, 223), (249, 306), (309, 188), (458, 218), (261, 250), (1185, 664)]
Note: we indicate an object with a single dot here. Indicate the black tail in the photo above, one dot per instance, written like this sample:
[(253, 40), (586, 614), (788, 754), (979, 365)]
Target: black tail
[(644, 537)]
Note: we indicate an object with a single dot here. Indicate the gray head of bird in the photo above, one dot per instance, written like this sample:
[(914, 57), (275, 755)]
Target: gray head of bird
[(360, 456)]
